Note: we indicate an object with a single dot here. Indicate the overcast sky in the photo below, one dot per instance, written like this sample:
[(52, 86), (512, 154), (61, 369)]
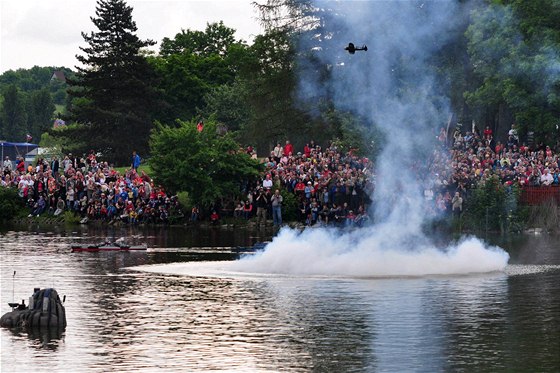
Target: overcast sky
[(48, 32)]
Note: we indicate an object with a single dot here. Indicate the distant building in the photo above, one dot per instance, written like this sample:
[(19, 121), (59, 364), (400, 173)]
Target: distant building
[(58, 75)]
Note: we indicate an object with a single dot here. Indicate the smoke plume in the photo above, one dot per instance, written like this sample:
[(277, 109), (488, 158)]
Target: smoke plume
[(394, 87)]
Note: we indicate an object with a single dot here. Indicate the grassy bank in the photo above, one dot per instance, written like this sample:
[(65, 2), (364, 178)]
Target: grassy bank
[(146, 168)]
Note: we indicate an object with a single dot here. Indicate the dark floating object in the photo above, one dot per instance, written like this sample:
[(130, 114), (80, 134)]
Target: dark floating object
[(106, 246), (257, 247), (45, 310), (352, 49)]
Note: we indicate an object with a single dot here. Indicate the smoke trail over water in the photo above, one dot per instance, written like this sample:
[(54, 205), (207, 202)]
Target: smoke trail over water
[(394, 87)]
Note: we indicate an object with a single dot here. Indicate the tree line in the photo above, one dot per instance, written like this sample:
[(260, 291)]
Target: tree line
[(29, 101)]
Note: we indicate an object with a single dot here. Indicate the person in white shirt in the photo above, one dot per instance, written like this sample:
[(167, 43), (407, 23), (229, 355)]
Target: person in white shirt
[(267, 182), (546, 178), (8, 164)]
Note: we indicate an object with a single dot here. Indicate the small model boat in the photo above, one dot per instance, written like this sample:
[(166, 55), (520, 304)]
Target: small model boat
[(45, 310), (107, 246)]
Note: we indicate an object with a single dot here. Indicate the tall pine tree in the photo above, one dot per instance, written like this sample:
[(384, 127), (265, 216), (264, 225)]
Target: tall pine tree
[(113, 95)]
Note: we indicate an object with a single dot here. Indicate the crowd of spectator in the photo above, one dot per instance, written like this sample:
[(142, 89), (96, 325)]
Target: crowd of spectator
[(327, 186), (334, 187), (466, 159), (92, 189)]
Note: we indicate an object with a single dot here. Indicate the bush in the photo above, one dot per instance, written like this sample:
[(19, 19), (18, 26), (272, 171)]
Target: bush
[(71, 218), (493, 206), (545, 216), (185, 201), (289, 206), (10, 203)]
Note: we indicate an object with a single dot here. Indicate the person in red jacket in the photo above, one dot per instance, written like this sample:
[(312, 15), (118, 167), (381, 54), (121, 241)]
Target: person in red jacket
[(307, 151), (487, 133), (214, 217), (288, 148), (300, 187)]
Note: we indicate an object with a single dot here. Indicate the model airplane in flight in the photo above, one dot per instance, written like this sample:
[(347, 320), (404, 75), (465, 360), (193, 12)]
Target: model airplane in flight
[(352, 49)]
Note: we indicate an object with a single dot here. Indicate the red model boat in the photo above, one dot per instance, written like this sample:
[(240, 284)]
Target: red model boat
[(107, 246)]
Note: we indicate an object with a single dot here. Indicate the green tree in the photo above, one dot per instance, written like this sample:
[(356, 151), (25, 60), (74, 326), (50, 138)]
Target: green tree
[(228, 105), (215, 39), (270, 83), (113, 95), (14, 117), (40, 109), (512, 49), (36, 79), (193, 64), (207, 165), (494, 206), (10, 203)]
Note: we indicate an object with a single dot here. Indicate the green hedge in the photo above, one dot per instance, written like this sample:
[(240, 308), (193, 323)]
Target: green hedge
[(10, 203)]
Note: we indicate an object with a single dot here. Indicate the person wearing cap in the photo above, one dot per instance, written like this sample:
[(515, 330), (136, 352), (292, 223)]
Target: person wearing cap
[(308, 190)]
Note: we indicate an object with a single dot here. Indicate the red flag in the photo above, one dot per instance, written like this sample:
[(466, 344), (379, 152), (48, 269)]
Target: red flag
[(200, 126), (28, 138)]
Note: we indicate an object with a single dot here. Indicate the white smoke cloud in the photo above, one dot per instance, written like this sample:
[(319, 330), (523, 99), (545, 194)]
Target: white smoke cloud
[(369, 253), (393, 86)]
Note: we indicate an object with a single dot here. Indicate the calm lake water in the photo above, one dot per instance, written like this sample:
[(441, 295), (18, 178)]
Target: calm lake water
[(126, 320)]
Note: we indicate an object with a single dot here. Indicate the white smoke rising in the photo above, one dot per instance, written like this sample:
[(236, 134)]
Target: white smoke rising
[(393, 86)]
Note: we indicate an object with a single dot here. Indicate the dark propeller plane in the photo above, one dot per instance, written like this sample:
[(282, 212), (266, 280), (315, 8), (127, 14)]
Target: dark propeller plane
[(352, 49)]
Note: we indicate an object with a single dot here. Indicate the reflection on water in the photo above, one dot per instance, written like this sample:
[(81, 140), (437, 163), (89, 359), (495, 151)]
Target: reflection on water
[(43, 338), (140, 321)]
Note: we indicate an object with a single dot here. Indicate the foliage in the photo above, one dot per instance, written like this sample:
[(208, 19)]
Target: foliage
[(36, 79), (66, 139), (270, 83), (352, 133), (192, 65), (185, 201), (13, 115), (113, 95), (25, 113), (282, 107), (514, 52), (216, 39), (70, 217), (546, 216), (493, 206), (227, 104), (289, 206), (207, 165), (10, 203), (40, 109), (27, 105)]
